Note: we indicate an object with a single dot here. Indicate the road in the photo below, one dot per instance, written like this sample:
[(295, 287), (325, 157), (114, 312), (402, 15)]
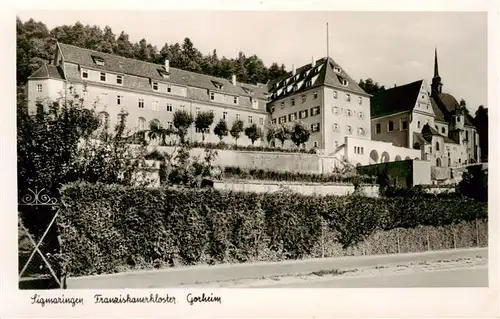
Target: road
[(471, 277)]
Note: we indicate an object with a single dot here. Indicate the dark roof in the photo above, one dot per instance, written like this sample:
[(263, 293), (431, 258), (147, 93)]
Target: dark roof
[(395, 100), (437, 111), (48, 71), (309, 76), (451, 105), (418, 137), (122, 65)]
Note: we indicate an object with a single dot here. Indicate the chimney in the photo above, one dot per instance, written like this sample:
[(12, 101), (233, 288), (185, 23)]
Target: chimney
[(313, 62), (234, 79), (167, 66), (293, 69)]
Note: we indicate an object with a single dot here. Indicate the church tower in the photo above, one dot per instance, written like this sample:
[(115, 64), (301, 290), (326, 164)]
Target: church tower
[(436, 87)]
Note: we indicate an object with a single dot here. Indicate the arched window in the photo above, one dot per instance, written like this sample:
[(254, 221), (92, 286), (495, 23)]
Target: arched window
[(141, 123), (437, 146), (438, 162)]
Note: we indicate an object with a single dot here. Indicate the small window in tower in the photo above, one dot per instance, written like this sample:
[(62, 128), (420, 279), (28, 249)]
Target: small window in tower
[(390, 126), (39, 88)]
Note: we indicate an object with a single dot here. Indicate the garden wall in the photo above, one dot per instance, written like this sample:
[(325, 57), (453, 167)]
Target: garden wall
[(279, 161), (404, 174), (296, 187), (112, 228)]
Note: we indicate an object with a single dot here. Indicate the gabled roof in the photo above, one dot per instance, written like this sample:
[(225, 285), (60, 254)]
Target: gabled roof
[(395, 100), (310, 76), (47, 71), (121, 65)]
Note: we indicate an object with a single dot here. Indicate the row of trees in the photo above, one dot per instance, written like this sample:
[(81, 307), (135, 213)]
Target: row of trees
[(298, 132), (36, 45)]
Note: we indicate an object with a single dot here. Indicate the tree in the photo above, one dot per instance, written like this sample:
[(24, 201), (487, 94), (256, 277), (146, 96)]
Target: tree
[(236, 130), (203, 121), (253, 132), (221, 129), (300, 133), (156, 131), (272, 130), (182, 122), (370, 87), (481, 123), (283, 133)]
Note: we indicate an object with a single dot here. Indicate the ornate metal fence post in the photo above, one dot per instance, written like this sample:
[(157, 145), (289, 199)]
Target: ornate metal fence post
[(38, 198)]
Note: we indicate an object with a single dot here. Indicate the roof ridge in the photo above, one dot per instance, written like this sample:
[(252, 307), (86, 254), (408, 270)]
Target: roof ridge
[(155, 64)]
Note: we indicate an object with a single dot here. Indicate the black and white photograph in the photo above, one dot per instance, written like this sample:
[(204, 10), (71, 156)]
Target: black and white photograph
[(245, 149)]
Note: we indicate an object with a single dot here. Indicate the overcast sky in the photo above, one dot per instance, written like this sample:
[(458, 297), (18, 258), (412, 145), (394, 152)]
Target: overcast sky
[(389, 47)]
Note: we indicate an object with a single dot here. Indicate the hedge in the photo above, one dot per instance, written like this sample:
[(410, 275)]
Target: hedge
[(264, 174), (112, 228)]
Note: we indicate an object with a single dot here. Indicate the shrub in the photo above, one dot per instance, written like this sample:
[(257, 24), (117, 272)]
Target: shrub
[(474, 183), (109, 228), (261, 174)]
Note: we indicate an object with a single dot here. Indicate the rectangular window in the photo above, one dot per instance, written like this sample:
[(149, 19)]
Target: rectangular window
[(39, 88), (273, 121), (304, 98), (85, 73), (182, 107), (336, 127), (348, 112), (361, 115), (315, 95), (335, 94), (348, 97), (197, 110), (169, 107), (170, 125), (212, 96), (378, 128), (361, 131), (119, 79), (292, 101), (282, 104), (141, 103), (235, 100), (169, 88), (404, 125), (315, 111), (224, 115), (250, 120), (315, 127), (119, 99), (292, 117), (237, 116), (282, 120), (315, 144), (154, 105), (335, 110), (103, 77), (303, 114), (349, 129), (155, 86), (261, 121), (360, 100)]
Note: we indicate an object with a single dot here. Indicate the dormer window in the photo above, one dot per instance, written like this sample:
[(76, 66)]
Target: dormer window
[(98, 60), (308, 83), (218, 85), (344, 82), (336, 69), (163, 74)]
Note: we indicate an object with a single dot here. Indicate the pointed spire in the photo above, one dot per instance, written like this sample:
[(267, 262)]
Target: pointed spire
[(436, 69)]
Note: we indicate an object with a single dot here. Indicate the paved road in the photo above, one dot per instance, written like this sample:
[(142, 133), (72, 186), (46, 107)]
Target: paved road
[(475, 277)]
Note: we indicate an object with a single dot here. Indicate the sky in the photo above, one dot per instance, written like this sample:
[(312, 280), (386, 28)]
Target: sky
[(389, 47)]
